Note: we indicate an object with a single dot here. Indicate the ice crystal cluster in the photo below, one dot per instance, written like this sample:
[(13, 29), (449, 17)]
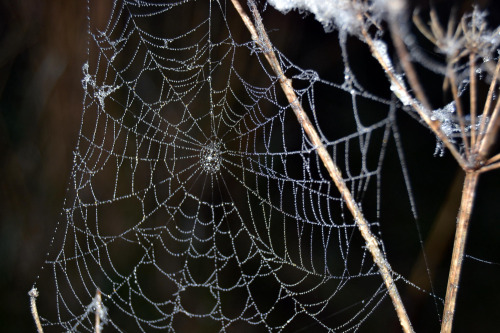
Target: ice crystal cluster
[(340, 14)]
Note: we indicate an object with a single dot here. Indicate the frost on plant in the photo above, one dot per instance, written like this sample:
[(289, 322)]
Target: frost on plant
[(470, 36), (450, 124), (101, 91), (398, 86), (477, 36), (340, 14)]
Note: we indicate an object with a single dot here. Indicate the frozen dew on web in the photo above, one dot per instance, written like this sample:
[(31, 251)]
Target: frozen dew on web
[(210, 155), (196, 200), (450, 124)]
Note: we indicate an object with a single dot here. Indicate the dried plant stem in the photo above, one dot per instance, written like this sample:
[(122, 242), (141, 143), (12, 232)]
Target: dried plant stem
[(473, 97), (491, 131), (476, 151), (460, 112), (422, 111), (487, 106), (33, 293), (98, 311), (260, 36), (474, 160), (411, 74), (407, 66), (494, 159), (468, 195), (490, 166)]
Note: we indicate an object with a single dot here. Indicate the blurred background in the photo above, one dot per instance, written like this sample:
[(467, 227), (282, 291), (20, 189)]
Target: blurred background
[(43, 47)]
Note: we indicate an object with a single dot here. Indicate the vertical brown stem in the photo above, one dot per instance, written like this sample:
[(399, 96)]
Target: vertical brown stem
[(468, 195), (473, 98), (260, 36), (98, 311), (33, 293)]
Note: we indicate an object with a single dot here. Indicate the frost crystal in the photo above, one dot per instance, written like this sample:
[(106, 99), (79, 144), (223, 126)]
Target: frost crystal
[(450, 124), (381, 48), (87, 78), (399, 88), (340, 14), (308, 75), (394, 7), (446, 116), (104, 91)]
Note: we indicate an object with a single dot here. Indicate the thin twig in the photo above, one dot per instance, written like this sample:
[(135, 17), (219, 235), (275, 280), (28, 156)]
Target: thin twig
[(33, 293), (460, 112), (491, 131), (493, 159), (98, 311), (491, 164), (260, 36), (468, 195), (473, 98), (423, 28), (487, 104), (436, 27), (404, 57)]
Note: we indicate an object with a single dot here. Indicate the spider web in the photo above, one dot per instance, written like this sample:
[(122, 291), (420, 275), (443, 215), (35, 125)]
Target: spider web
[(196, 201)]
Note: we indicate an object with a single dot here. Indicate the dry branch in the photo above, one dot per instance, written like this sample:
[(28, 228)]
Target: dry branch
[(468, 195), (33, 294), (98, 311)]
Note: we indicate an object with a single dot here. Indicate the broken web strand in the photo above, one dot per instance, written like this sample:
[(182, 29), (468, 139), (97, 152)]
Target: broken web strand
[(260, 36)]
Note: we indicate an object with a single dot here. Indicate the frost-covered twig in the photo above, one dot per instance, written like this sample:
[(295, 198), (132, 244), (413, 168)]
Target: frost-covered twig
[(99, 312), (404, 96), (260, 37), (33, 294)]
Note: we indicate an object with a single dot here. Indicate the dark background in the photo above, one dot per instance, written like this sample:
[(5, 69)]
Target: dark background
[(43, 47)]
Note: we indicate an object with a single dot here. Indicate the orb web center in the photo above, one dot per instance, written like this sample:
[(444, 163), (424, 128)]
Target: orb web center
[(210, 156)]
